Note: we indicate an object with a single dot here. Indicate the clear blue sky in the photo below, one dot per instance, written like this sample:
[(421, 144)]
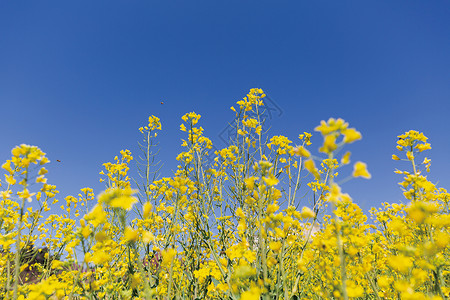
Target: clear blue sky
[(78, 78)]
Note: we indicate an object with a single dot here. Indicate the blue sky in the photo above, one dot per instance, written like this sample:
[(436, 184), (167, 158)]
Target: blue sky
[(78, 78)]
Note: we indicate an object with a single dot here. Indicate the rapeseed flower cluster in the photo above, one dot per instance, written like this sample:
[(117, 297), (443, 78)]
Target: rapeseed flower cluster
[(263, 218)]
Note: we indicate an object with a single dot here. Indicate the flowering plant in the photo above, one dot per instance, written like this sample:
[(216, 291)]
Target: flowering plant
[(237, 228)]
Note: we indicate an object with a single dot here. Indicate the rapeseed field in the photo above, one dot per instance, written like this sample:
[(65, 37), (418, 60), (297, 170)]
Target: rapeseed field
[(232, 223)]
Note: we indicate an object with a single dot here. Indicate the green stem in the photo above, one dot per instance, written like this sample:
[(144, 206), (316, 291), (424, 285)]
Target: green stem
[(18, 250), (340, 244)]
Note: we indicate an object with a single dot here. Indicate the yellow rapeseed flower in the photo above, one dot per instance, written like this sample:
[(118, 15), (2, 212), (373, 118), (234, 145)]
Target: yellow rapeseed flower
[(360, 170), (307, 213), (275, 246), (311, 167), (86, 232), (271, 180), (7, 167), (250, 182), (168, 255), (25, 194), (100, 257), (147, 208), (301, 151), (130, 234), (351, 135), (329, 144), (10, 179), (400, 263), (346, 158), (354, 291), (118, 198), (96, 216), (148, 237), (154, 123)]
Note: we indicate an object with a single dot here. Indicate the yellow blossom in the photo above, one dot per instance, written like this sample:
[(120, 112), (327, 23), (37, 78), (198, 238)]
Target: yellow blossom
[(311, 167), (96, 216), (301, 151), (275, 246), (329, 144), (10, 179), (346, 158), (252, 294), (25, 194), (351, 135), (271, 180), (400, 263), (85, 232), (118, 198), (147, 208), (130, 234), (250, 182), (360, 170), (148, 237), (307, 213)]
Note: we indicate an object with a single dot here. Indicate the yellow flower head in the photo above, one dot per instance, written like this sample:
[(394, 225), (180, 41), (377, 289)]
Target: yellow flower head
[(311, 167), (329, 144), (147, 237), (270, 180), (154, 123), (191, 116), (413, 139), (118, 198), (130, 235), (10, 179), (346, 158), (360, 170), (168, 255), (96, 216), (275, 246), (332, 125), (395, 157), (7, 167), (301, 151), (400, 263), (307, 213), (25, 194), (351, 135), (147, 208), (250, 182)]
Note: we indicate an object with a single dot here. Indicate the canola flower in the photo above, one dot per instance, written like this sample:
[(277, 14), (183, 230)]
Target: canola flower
[(233, 223)]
